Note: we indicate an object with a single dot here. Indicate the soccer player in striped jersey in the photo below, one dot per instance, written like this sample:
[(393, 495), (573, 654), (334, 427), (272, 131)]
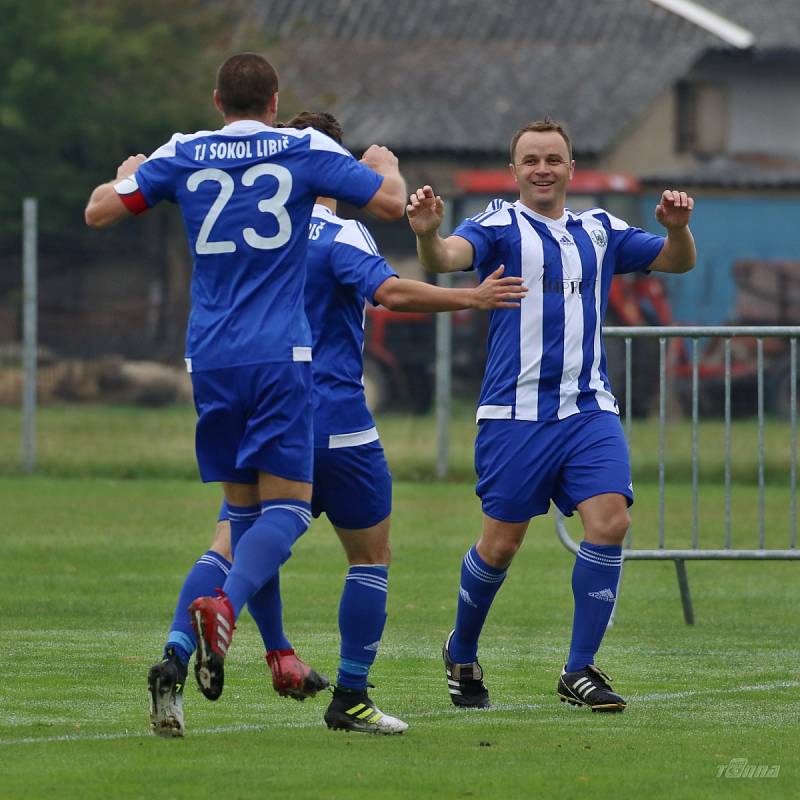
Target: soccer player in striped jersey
[(549, 425), (246, 193)]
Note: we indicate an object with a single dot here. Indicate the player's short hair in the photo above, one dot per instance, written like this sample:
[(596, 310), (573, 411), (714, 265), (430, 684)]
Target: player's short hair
[(246, 83), (319, 120), (541, 126)]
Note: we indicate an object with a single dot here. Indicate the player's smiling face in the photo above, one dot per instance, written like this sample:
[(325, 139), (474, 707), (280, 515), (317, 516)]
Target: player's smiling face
[(542, 169)]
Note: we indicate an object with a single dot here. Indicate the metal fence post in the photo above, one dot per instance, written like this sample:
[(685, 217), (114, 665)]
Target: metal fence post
[(29, 332), (444, 352), (444, 367)]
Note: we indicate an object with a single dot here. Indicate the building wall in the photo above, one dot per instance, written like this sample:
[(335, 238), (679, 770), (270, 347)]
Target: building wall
[(752, 107), (650, 144), (727, 229), (763, 102)]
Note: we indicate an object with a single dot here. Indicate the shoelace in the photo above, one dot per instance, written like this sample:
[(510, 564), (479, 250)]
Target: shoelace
[(601, 676)]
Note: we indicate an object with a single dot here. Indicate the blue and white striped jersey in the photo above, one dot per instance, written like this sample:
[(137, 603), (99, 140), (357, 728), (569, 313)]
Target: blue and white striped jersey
[(246, 193), (345, 270), (547, 361)]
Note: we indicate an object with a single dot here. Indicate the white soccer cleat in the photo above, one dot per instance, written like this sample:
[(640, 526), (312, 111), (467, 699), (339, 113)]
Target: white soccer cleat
[(165, 682)]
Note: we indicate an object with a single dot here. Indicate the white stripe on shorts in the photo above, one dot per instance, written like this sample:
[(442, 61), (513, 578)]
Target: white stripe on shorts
[(493, 412), (338, 440), (301, 354)]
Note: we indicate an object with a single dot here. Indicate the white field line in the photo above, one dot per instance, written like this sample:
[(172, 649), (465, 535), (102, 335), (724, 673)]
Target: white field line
[(469, 716)]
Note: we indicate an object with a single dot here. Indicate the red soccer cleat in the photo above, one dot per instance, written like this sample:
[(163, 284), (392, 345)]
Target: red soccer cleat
[(291, 677), (213, 623)]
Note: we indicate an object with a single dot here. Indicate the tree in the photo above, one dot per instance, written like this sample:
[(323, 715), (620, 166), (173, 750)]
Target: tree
[(86, 83)]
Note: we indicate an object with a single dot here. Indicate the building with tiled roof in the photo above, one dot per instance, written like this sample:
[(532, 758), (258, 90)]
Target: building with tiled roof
[(703, 95), (648, 86)]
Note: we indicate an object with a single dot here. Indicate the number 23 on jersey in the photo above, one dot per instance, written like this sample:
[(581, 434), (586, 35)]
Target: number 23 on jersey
[(275, 206)]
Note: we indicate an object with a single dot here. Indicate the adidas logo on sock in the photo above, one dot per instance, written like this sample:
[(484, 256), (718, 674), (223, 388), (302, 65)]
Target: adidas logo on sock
[(374, 646), (464, 595), (604, 594)]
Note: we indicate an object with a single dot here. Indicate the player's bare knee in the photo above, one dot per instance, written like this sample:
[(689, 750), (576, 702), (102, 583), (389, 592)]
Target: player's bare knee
[(372, 556), (366, 549), (497, 552), (500, 541), (367, 545), (618, 526), (610, 530)]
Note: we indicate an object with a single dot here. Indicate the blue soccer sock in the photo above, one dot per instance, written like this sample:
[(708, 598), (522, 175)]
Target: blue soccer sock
[(207, 573), (594, 587), (265, 605), (479, 584), (266, 609), (362, 617), (241, 519), (264, 547)]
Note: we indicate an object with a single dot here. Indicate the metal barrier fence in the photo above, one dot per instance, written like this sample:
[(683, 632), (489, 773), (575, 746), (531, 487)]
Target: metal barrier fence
[(782, 371)]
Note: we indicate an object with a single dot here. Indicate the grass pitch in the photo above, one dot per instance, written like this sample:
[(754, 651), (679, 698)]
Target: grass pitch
[(132, 442), (91, 568)]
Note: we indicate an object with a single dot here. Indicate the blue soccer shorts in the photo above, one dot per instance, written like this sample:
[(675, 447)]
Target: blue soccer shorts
[(523, 465), (252, 419), (352, 485)]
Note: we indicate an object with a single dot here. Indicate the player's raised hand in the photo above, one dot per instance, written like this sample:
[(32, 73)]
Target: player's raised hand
[(499, 292), (130, 165), (380, 158), (425, 211), (674, 209)]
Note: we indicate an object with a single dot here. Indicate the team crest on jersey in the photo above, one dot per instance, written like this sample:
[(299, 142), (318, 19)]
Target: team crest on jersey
[(599, 238)]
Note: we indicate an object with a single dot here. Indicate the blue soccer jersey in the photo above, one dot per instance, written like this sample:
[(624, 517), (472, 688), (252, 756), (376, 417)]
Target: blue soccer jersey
[(344, 272), (246, 193), (547, 360)]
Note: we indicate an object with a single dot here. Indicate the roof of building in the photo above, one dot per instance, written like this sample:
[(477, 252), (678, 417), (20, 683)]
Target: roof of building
[(460, 76), (775, 24), (728, 173)]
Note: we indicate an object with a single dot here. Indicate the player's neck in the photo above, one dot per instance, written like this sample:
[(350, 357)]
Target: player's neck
[(554, 212), (267, 119), (328, 202)]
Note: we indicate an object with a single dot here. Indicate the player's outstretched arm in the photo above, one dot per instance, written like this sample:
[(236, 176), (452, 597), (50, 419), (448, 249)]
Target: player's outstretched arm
[(678, 253), (105, 206), (390, 199), (425, 212), (399, 294)]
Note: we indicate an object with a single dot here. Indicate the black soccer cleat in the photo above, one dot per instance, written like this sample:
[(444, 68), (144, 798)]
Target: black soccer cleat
[(589, 687), (165, 682), (352, 710), (464, 681)]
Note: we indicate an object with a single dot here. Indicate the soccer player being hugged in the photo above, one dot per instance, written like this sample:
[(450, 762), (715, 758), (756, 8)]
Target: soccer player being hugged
[(549, 425), (246, 193), (352, 482)]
